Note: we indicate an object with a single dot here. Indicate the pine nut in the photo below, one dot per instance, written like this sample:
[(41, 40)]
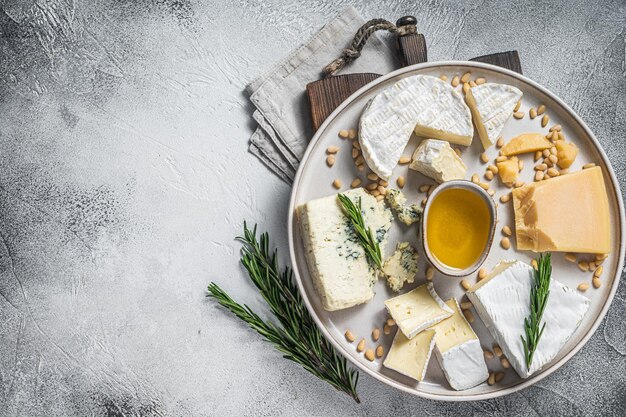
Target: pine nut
[(501, 158), (382, 190), (532, 113), (553, 158), (424, 202), (518, 115), (545, 153), (466, 88), (505, 363), (337, 184), (372, 177), (484, 185), (553, 172), (465, 78), (387, 329), (360, 167), (539, 175), (505, 198), (601, 256), (537, 155), (558, 128), (375, 193), (583, 266), (491, 193), (468, 316), (589, 165), (598, 272), (352, 134), (553, 150), (349, 336), (466, 305), (400, 181), (359, 160), (472, 84), (369, 354), (423, 188), (518, 184), (596, 282), (583, 287), (520, 165), (497, 350), (541, 167), (475, 179), (482, 273), (517, 106), (330, 160), (376, 334), (492, 378), (332, 149), (505, 242), (380, 351), (455, 81), (484, 157), (355, 182), (430, 273), (355, 153), (499, 376), (404, 160), (493, 169), (489, 175), (443, 77), (465, 284), (343, 133), (592, 266), (382, 182), (361, 346), (507, 230), (534, 264), (356, 144), (380, 197), (541, 109), (430, 189), (480, 80), (371, 186), (391, 322), (500, 142), (544, 120), (458, 151), (488, 354)]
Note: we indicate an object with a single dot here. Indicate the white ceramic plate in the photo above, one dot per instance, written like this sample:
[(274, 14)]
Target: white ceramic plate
[(314, 180)]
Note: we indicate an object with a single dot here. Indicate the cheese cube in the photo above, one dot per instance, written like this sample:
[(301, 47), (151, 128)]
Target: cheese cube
[(526, 142), (401, 267), (502, 301), (341, 272), (569, 213), (566, 152), (410, 357), (436, 159), (509, 170)]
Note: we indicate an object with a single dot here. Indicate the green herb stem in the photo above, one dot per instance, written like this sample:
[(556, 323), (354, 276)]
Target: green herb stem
[(538, 300), (364, 234)]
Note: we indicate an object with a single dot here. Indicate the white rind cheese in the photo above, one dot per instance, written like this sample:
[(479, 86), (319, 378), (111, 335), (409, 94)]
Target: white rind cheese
[(422, 104), (437, 160), (502, 301), (458, 351), (341, 272), (401, 267), (410, 357), (491, 105), (417, 310)]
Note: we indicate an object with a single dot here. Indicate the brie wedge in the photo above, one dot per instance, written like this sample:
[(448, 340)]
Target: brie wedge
[(458, 350), (341, 272), (417, 310), (410, 357), (437, 160), (401, 267), (502, 301), (491, 105), (422, 104)]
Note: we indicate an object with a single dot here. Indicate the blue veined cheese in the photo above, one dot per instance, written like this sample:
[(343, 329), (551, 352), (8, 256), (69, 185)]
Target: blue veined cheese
[(341, 272), (417, 310), (410, 357), (502, 301), (437, 160), (458, 350), (401, 267), (405, 213), (422, 104), (491, 105)]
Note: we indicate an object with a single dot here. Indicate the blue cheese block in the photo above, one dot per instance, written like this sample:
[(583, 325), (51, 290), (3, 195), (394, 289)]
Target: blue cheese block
[(341, 272)]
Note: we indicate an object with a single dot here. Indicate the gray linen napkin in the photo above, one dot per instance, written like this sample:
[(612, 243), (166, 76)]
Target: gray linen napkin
[(280, 98)]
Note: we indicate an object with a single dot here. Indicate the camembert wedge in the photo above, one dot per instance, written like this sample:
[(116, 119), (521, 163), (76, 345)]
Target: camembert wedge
[(341, 273), (422, 104), (410, 357), (417, 309), (437, 160), (458, 350), (502, 301), (491, 105), (569, 213)]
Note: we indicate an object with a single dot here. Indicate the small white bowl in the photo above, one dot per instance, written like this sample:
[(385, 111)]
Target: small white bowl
[(466, 185)]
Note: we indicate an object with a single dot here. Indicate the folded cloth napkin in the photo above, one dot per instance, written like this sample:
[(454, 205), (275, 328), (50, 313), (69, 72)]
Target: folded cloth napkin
[(279, 95)]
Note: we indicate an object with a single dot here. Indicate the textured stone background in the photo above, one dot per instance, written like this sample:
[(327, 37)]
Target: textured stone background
[(124, 178)]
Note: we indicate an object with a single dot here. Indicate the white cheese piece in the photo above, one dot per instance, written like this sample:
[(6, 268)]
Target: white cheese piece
[(502, 301), (437, 160), (491, 105), (410, 357), (458, 350), (341, 272), (401, 267), (405, 213), (417, 310), (422, 104)]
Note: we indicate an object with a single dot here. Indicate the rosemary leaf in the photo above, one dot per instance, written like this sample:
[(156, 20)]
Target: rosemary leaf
[(363, 233), (297, 337)]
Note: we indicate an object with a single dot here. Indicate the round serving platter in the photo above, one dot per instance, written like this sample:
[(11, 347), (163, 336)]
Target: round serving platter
[(314, 179)]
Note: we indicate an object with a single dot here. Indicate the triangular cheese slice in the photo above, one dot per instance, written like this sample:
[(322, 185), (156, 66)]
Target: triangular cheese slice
[(419, 103), (491, 105), (410, 357)]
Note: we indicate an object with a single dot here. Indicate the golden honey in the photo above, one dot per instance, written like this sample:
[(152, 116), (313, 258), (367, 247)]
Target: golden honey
[(457, 227)]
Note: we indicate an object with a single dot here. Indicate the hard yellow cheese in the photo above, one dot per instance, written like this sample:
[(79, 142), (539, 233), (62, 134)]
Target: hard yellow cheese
[(526, 142), (569, 213)]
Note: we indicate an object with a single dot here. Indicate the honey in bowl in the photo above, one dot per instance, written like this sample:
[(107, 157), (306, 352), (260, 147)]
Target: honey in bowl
[(458, 227)]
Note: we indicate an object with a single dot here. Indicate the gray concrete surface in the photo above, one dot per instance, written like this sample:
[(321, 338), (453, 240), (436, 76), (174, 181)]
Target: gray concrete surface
[(124, 177)]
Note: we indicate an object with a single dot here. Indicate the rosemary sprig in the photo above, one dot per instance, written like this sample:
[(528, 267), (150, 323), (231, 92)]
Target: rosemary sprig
[(297, 338), (538, 300), (364, 234)]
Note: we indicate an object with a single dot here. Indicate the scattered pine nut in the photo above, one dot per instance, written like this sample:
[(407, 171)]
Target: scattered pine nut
[(375, 193), (352, 134), (541, 167), (423, 188), (518, 115), (598, 272), (424, 202), (465, 284), (369, 354), (372, 177), (546, 153), (356, 144), (443, 77), (466, 305), (589, 165), (472, 84), (466, 88), (501, 158), (468, 316), (484, 158), (558, 128), (596, 282), (332, 149), (505, 363), (455, 81), (484, 185), (499, 376), (544, 120), (488, 354), (355, 153), (337, 184), (383, 182), (493, 169), (400, 181), (507, 230), (553, 150), (430, 273), (583, 287), (505, 243), (517, 106), (592, 266), (489, 175), (343, 133), (492, 193), (497, 350), (520, 164), (541, 109), (532, 113), (553, 172), (404, 160), (376, 334), (482, 273), (480, 80), (465, 78), (380, 198), (360, 167), (361, 346), (534, 264), (601, 256), (500, 142), (349, 336), (330, 160), (391, 322), (539, 175), (371, 186), (382, 190), (583, 266), (505, 198), (380, 351), (359, 160), (475, 179), (553, 158), (492, 378), (387, 329), (431, 188), (537, 155)]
